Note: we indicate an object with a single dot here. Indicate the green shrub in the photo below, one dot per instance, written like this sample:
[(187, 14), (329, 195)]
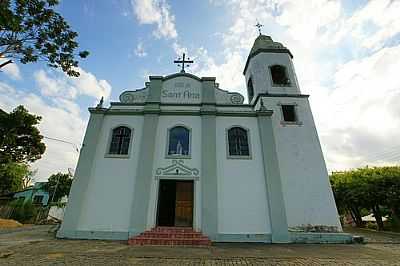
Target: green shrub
[(23, 211), (392, 224), (29, 211), (371, 225)]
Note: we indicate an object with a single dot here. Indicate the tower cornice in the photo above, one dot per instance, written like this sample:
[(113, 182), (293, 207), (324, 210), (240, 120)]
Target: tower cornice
[(265, 44)]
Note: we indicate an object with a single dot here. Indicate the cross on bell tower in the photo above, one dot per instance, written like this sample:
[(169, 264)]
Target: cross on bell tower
[(258, 25), (182, 62)]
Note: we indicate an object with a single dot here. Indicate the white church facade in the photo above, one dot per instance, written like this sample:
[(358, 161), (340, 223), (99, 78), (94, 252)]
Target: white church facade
[(181, 152)]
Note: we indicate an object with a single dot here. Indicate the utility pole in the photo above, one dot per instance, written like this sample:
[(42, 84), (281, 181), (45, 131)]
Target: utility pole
[(55, 189)]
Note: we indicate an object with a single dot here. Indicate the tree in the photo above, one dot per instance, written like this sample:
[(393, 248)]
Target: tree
[(11, 177), (20, 139), (29, 179), (392, 192), (349, 195), (20, 144), (30, 30), (375, 189), (58, 186)]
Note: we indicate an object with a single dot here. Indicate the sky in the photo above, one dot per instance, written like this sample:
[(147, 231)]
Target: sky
[(346, 56)]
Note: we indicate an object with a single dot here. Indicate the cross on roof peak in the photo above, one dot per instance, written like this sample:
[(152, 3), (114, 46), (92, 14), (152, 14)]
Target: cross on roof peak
[(258, 25), (182, 62)]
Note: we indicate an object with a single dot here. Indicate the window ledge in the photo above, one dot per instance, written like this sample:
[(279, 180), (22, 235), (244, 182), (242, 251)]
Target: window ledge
[(120, 156), (178, 157), (294, 123), (239, 157)]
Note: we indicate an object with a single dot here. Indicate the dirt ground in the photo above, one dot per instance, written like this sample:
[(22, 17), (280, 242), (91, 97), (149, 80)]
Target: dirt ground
[(7, 223), (36, 246)]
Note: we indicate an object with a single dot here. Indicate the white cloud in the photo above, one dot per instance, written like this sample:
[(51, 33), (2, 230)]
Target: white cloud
[(229, 73), (371, 26), (302, 26), (62, 123), (52, 83), (52, 86), (178, 48), (139, 50), (88, 84), (156, 12), (359, 119), (11, 70)]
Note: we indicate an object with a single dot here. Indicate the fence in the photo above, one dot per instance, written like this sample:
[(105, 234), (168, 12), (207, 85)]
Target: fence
[(6, 211), (40, 213)]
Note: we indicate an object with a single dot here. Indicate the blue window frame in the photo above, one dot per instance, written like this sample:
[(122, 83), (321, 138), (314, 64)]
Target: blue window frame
[(179, 141)]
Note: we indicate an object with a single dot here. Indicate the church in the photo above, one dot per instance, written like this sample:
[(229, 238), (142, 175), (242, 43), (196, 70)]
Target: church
[(184, 155)]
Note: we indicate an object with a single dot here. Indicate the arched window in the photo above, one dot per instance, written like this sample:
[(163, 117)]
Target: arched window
[(179, 141), (250, 89), (279, 75), (120, 140), (238, 142)]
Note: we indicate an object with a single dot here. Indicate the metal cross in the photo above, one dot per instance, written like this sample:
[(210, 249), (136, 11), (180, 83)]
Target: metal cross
[(183, 62), (258, 25)]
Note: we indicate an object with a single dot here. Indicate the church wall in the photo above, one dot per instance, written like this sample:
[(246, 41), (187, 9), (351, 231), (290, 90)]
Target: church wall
[(259, 71), (242, 199), (110, 191), (160, 160), (305, 184)]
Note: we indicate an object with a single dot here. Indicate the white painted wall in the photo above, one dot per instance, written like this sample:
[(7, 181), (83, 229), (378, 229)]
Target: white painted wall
[(107, 203), (306, 188), (258, 70), (242, 199), (160, 160), (56, 212)]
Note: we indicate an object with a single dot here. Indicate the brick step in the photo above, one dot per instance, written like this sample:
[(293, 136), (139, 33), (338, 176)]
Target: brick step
[(150, 234), (171, 236), (170, 241), (173, 229), (142, 236)]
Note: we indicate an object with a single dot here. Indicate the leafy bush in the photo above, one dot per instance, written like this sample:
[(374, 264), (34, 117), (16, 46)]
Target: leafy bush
[(23, 211), (371, 225)]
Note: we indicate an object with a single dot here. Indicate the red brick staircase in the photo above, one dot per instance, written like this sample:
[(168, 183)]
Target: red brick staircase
[(170, 236)]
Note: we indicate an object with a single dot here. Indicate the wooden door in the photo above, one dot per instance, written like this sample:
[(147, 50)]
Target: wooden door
[(184, 203)]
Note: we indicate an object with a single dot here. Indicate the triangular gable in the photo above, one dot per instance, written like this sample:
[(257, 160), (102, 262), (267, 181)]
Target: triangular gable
[(180, 88), (177, 168)]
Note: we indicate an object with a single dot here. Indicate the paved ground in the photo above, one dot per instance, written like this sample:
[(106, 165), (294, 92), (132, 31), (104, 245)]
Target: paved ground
[(36, 246)]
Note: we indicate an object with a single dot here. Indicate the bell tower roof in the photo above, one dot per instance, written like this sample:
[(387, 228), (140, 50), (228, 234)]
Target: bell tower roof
[(264, 43)]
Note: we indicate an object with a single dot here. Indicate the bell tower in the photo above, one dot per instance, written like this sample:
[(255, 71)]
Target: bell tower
[(269, 70), (272, 85)]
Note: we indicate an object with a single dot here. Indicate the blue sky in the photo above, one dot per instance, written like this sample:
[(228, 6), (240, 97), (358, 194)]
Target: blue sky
[(346, 54)]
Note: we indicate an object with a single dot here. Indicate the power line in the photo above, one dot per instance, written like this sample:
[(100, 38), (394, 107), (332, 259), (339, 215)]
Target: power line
[(392, 157), (390, 151), (384, 153), (64, 141)]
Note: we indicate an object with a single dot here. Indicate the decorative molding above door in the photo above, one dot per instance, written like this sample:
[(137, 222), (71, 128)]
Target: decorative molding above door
[(177, 170)]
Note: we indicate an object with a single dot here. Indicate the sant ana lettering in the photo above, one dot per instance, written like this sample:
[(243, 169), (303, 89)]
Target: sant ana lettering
[(180, 94)]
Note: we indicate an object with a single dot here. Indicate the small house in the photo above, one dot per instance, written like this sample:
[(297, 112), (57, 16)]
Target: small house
[(36, 193)]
